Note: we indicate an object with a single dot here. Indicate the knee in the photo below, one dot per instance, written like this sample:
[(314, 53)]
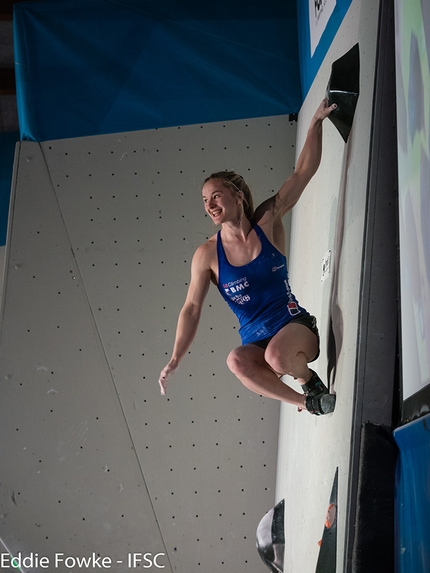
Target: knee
[(235, 361), (279, 360)]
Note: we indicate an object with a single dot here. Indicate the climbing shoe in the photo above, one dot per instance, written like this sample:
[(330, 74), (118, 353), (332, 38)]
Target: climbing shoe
[(321, 405), (315, 387)]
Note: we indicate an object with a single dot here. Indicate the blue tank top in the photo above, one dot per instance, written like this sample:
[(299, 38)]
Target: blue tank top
[(259, 292)]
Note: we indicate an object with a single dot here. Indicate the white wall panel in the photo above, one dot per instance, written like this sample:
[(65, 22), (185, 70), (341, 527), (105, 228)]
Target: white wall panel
[(98, 264), (329, 216)]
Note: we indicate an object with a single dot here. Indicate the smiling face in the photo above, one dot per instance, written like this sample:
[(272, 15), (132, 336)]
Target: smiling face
[(221, 204)]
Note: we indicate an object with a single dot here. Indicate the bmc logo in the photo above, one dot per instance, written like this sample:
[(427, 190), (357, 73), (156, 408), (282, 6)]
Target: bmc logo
[(238, 287)]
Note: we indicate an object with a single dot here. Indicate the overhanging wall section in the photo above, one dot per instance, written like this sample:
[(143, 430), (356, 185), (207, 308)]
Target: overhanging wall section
[(330, 217), (103, 231)]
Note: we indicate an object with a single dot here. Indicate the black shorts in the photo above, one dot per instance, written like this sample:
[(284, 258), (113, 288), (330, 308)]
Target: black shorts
[(307, 320)]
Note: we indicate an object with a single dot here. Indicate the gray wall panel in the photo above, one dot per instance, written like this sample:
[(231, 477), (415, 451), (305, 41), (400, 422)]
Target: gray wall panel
[(70, 478), (128, 211)]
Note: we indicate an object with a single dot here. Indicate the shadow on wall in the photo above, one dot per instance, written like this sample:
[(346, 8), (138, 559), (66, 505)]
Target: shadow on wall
[(343, 89), (335, 321)]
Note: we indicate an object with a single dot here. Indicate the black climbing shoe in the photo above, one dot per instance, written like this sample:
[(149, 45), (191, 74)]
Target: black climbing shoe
[(321, 405), (315, 387)]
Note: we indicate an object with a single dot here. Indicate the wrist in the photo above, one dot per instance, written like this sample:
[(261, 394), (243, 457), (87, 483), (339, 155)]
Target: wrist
[(316, 123)]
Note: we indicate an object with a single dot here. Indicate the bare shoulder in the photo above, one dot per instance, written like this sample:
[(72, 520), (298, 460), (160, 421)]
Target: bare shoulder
[(205, 257), (206, 249)]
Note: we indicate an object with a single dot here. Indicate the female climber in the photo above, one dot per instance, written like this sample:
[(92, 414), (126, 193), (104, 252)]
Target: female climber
[(246, 261)]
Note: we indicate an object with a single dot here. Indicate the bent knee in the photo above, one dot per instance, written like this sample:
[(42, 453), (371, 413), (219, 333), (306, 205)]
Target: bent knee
[(243, 360), (236, 361), (278, 360)]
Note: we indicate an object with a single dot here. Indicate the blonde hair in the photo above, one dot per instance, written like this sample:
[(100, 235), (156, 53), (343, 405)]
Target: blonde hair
[(236, 183)]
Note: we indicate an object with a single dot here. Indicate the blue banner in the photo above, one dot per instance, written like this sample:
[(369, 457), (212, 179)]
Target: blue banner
[(90, 67), (413, 497), (8, 141)]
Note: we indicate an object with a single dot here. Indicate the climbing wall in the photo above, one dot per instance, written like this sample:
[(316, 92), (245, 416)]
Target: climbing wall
[(327, 233), (94, 460)]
